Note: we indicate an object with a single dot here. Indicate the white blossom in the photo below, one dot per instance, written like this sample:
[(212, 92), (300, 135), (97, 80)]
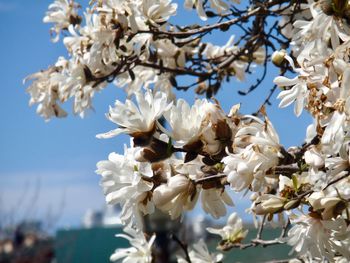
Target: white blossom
[(124, 182), (237, 67), (250, 165), (134, 119), (200, 254), (62, 13), (44, 91), (177, 195), (319, 238), (314, 158), (214, 201), (158, 11), (140, 250), (191, 152), (268, 204), (220, 6), (233, 230)]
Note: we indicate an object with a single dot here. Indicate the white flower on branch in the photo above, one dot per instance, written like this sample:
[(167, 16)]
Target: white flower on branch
[(158, 11), (237, 67), (314, 158), (200, 128), (214, 200), (179, 194), (59, 83), (62, 13), (43, 91), (289, 187), (268, 204), (125, 182), (219, 5), (137, 120), (75, 43), (331, 206), (187, 153), (98, 52), (200, 254), (171, 55), (250, 166), (325, 27), (140, 250), (334, 133), (78, 84), (338, 166), (297, 92), (319, 238), (232, 232)]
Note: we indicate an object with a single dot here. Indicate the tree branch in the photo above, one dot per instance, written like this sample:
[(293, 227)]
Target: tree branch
[(263, 8), (183, 246), (336, 180)]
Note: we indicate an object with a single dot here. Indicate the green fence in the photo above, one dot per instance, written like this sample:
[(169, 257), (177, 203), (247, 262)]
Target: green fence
[(97, 244), (93, 245)]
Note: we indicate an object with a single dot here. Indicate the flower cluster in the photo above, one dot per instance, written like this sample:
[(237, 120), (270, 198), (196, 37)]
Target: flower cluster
[(113, 41), (181, 155)]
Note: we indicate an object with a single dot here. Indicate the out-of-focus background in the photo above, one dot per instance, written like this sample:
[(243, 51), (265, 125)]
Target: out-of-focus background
[(49, 194)]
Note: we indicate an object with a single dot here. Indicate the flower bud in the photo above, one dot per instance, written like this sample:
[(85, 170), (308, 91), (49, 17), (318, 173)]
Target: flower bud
[(277, 57), (156, 151), (166, 192), (314, 158), (292, 204), (268, 204)]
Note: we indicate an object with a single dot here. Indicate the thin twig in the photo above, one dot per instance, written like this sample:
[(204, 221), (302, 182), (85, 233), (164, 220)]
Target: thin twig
[(179, 71), (254, 243), (261, 227), (284, 229), (210, 178), (183, 246), (336, 180), (226, 24)]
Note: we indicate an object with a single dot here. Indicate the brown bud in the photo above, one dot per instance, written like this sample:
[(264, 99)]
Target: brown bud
[(209, 170), (156, 151), (210, 184), (195, 147), (201, 88), (190, 156), (223, 131), (326, 7), (339, 208), (75, 20), (143, 138)]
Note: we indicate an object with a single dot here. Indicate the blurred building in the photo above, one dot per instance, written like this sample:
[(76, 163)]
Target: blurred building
[(96, 241), (25, 243), (107, 217)]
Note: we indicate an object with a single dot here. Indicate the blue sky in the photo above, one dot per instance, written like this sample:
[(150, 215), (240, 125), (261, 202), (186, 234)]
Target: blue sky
[(49, 166)]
